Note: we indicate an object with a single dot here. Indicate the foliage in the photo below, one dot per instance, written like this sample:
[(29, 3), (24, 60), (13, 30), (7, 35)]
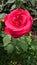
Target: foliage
[(21, 51)]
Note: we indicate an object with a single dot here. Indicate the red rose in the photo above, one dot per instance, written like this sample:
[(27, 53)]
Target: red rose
[(18, 23)]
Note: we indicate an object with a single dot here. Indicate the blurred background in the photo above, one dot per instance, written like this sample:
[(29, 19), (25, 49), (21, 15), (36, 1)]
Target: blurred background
[(21, 51)]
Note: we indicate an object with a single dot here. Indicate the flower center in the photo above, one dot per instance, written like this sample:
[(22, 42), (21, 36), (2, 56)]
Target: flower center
[(19, 20)]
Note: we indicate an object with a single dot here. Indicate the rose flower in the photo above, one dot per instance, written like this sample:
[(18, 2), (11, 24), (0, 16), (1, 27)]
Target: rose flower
[(18, 23)]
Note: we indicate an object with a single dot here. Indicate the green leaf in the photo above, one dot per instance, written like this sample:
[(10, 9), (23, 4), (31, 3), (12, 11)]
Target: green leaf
[(13, 7), (0, 8), (22, 43), (10, 1), (2, 33), (6, 40), (2, 15), (23, 1), (32, 1), (9, 48)]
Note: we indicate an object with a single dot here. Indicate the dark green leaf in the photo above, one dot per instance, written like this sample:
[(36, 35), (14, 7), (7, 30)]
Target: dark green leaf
[(6, 40), (9, 48)]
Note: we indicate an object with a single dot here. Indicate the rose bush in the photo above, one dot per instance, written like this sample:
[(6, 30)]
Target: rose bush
[(18, 23)]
